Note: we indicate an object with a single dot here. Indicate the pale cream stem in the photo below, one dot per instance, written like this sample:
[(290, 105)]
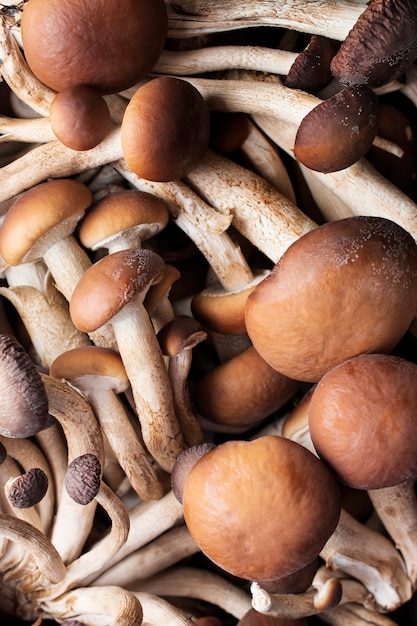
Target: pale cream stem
[(190, 18), (352, 614), (201, 584), (284, 605), (53, 445), (157, 611), (36, 130), (218, 58), (166, 550)]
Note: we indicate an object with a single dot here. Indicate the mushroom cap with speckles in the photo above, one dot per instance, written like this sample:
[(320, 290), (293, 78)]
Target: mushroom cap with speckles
[(28, 489), (82, 479), (261, 509), (362, 420), (112, 282), (344, 288)]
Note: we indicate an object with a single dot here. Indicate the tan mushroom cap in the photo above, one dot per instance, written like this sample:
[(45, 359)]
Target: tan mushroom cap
[(242, 391), (362, 420), (261, 509), (112, 282), (344, 288), (118, 214), (91, 363), (224, 311), (181, 333), (43, 215), (161, 290)]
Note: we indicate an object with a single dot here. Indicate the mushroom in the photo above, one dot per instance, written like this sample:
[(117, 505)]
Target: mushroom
[(100, 375), (222, 523), (371, 259), (111, 291), (79, 117), (386, 423), (61, 48), (157, 301), (124, 219), (380, 46), (158, 142), (24, 409)]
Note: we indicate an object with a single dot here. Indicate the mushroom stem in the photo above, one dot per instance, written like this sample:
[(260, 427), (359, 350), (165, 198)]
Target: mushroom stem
[(158, 611), (190, 18), (396, 507), (352, 614), (36, 130)]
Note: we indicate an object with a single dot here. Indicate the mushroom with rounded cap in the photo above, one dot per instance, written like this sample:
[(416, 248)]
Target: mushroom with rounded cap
[(159, 141), (62, 47), (80, 117), (299, 492), (346, 287), (111, 292)]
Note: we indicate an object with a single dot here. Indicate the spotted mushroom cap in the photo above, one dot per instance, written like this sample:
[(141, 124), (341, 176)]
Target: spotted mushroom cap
[(260, 509)]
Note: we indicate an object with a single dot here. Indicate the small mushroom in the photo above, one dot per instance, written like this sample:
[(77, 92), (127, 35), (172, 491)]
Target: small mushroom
[(28, 489), (79, 117), (293, 329), (380, 46), (159, 142), (111, 291)]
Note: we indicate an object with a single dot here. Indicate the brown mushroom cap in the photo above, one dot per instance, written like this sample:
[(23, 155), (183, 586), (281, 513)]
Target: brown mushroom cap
[(362, 420), (82, 479), (110, 283), (255, 618), (42, 215), (339, 130), (165, 129), (24, 406), (260, 509), (80, 117), (311, 68), (28, 489), (109, 46), (344, 288), (380, 46), (242, 391), (118, 213)]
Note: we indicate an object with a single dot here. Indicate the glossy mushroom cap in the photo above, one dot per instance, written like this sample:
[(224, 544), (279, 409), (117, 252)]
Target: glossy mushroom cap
[(123, 214), (109, 46), (46, 213), (339, 130), (362, 420), (344, 288), (24, 406), (112, 282), (311, 68), (260, 509), (380, 46), (80, 117), (165, 129)]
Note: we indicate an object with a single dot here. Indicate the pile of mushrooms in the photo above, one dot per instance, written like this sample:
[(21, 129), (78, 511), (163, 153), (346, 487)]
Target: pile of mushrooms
[(208, 256)]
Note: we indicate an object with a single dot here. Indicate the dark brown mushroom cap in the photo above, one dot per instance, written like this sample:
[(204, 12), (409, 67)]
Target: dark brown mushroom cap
[(311, 68), (242, 391), (118, 213), (28, 489), (181, 333), (42, 215), (339, 130), (380, 46), (362, 420), (344, 288), (80, 117), (82, 478), (165, 129), (255, 618), (112, 282), (109, 46), (260, 509), (24, 403)]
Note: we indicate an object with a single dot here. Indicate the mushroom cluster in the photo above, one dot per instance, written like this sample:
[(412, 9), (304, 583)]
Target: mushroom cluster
[(208, 313)]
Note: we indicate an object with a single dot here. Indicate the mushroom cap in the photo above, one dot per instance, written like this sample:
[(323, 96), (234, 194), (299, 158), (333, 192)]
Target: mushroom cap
[(90, 368), (339, 130), (80, 117), (261, 509), (28, 489), (255, 618), (362, 420), (165, 129), (344, 288), (44, 214), (83, 478), (380, 46), (116, 214), (24, 407), (179, 334), (112, 282), (242, 391), (109, 46), (311, 68)]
